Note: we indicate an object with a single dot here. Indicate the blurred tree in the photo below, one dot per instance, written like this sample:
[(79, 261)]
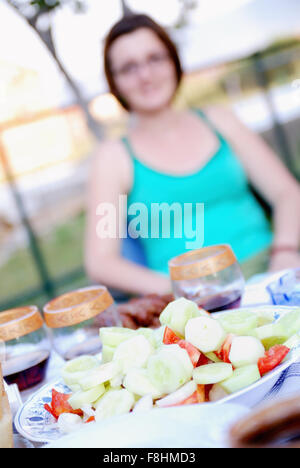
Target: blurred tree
[(126, 10), (39, 14), (187, 6)]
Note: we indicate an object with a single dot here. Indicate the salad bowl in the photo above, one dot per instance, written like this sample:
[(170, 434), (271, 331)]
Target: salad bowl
[(36, 424)]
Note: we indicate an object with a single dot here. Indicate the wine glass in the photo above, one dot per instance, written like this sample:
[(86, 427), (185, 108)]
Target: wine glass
[(211, 277)]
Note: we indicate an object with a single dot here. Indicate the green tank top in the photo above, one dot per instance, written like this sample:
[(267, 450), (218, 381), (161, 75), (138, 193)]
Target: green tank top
[(231, 213)]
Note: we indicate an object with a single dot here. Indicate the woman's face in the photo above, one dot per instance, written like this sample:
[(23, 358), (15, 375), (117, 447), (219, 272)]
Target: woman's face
[(144, 73)]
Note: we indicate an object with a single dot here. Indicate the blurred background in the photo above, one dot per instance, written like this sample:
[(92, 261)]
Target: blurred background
[(54, 107)]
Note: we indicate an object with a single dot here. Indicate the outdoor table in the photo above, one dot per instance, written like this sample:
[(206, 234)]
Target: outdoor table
[(255, 294)]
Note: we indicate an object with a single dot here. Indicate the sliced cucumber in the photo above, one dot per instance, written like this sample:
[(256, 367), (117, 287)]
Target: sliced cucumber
[(113, 336), (107, 353), (143, 404), (100, 374), (241, 378), (245, 350), (270, 334), (133, 352), (177, 313), (178, 396), (76, 369), (159, 335), (212, 373), (117, 381), (238, 322), (205, 333), (216, 393), (79, 399), (213, 357), (293, 341), (137, 381), (290, 322), (169, 368), (265, 315), (113, 403), (147, 333)]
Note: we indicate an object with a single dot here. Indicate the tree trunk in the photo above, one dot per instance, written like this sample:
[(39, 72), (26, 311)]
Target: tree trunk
[(126, 11), (94, 126)]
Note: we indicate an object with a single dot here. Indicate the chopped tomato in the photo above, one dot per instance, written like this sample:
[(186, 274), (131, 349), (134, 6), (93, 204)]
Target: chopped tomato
[(193, 352), (207, 389), (197, 397), (272, 358), (200, 393), (91, 419), (224, 351), (203, 360), (59, 404), (49, 409), (170, 337)]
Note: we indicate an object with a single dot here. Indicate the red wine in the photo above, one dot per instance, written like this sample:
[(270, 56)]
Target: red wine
[(218, 302), (26, 370)]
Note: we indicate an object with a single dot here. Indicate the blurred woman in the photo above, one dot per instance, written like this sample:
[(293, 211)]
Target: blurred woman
[(185, 157)]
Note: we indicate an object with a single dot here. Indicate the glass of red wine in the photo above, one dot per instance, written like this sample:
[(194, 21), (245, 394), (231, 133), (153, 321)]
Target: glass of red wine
[(74, 319), (26, 345), (210, 276)]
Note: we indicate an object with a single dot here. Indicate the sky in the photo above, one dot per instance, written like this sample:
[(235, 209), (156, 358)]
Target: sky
[(219, 30)]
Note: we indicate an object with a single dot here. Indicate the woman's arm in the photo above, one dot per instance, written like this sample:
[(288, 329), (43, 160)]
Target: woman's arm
[(110, 178), (272, 180)]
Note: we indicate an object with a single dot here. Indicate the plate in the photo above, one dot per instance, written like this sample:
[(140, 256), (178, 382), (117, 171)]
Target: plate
[(201, 426), (36, 424)]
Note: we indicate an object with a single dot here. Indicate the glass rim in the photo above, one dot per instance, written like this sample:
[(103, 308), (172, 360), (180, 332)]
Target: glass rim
[(83, 306), (19, 321), (203, 262)]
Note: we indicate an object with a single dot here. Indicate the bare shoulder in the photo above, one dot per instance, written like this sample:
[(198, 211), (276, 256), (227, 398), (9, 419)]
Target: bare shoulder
[(225, 119), (110, 157)]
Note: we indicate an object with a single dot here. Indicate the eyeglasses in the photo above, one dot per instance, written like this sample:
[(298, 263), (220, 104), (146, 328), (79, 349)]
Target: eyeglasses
[(153, 62)]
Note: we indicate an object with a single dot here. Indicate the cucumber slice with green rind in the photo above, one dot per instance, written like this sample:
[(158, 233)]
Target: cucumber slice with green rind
[(270, 335), (113, 403), (238, 322), (169, 368), (241, 378), (205, 333), (147, 333), (78, 399), (133, 352), (100, 375), (212, 373), (107, 353), (290, 322), (245, 350), (113, 336), (73, 371), (137, 381), (177, 313)]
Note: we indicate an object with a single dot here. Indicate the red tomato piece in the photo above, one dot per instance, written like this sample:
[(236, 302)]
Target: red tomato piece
[(59, 404), (207, 389), (272, 358), (49, 409), (203, 360), (224, 351), (200, 393), (91, 418), (170, 337), (193, 352)]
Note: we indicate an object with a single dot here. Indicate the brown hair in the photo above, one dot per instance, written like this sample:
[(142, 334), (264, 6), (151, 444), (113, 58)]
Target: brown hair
[(130, 24)]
